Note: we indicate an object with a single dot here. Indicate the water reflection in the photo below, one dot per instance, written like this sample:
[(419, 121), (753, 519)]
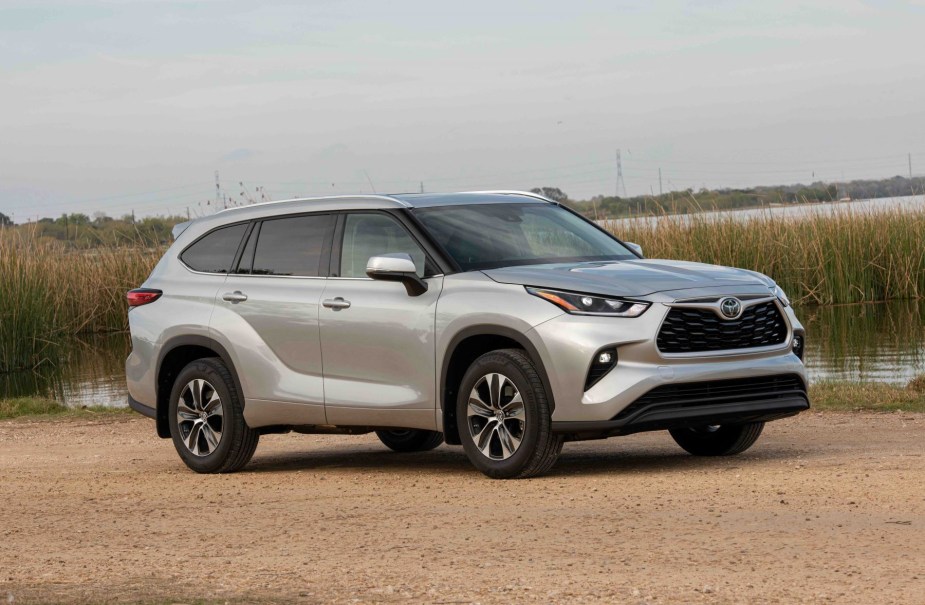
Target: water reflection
[(90, 373), (880, 342)]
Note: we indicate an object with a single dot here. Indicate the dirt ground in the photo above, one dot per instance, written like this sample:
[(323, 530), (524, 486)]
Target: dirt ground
[(826, 508)]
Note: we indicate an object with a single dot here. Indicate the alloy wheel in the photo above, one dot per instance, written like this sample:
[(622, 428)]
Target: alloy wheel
[(496, 416), (200, 417)]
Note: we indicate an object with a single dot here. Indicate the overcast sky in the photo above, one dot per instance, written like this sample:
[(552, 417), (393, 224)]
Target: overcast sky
[(131, 104)]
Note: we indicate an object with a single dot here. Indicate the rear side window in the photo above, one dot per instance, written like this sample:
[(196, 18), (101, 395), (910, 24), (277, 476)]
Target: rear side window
[(293, 246), (215, 252)]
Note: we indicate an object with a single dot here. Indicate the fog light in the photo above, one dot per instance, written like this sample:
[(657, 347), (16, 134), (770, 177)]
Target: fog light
[(602, 363), (797, 346)]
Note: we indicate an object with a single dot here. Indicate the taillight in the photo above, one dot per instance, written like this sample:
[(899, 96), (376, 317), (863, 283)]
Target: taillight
[(142, 296)]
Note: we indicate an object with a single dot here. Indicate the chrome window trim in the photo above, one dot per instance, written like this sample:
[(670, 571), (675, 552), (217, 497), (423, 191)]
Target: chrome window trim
[(185, 266), (371, 279)]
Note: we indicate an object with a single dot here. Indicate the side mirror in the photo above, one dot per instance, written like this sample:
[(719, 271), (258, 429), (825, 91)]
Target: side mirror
[(397, 267), (635, 248)]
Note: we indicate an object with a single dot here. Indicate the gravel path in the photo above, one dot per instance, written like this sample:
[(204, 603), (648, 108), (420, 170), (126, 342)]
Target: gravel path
[(826, 508)]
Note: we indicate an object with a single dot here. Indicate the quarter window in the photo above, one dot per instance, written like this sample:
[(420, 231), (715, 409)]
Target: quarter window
[(293, 245), (368, 235), (247, 256), (215, 252)]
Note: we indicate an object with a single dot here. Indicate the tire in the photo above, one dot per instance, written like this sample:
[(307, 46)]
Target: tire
[(232, 442), (526, 423), (725, 440), (410, 440)]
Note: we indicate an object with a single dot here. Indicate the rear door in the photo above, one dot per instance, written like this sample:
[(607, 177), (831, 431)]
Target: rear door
[(379, 352), (267, 312)]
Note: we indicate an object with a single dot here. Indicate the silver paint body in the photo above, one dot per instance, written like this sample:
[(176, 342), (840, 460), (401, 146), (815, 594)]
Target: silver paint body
[(304, 360)]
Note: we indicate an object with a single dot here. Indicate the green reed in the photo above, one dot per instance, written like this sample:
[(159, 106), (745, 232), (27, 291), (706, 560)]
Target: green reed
[(819, 258), (49, 292)]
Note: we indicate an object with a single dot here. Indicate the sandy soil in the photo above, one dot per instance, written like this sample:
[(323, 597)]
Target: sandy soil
[(826, 508)]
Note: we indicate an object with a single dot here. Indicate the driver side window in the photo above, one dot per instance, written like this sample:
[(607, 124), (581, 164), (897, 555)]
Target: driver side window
[(367, 235)]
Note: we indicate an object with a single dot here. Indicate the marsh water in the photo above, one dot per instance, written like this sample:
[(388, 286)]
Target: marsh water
[(909, 203), (882, 342)]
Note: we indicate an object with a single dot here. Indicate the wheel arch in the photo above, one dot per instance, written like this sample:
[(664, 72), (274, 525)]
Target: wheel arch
[(175, 354), (466, 346)]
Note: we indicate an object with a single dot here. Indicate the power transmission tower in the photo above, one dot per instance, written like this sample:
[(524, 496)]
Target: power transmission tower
[(422, 186), (620, 183)]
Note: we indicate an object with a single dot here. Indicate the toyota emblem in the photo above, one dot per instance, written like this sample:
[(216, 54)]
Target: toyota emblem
[(730, 307)]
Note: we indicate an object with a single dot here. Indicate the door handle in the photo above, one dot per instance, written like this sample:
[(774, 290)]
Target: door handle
[(336, 303), (234, 297)]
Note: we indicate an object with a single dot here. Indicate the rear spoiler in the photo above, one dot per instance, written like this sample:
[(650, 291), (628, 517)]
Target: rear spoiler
[(180, 228)]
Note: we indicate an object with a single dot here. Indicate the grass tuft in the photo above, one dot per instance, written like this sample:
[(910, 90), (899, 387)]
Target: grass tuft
[(29, 406), (866, 396), (39, 406), (917, 384)]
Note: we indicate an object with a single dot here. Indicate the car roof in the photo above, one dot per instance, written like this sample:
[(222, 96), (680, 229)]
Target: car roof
[(357, 202), (401, 200)]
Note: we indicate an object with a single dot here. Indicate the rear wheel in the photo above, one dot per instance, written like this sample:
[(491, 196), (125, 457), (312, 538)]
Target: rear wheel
[(718, 440), (206, 418), (503, 417), (410, 440)]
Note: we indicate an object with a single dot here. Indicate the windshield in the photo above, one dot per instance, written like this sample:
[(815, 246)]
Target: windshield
[(487, 236)]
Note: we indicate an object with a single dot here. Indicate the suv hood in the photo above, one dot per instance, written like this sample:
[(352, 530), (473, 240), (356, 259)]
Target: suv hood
[(627, 278)]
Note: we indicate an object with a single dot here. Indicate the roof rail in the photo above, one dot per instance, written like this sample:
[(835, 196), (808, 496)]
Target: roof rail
[(515, 192), (322, 198)]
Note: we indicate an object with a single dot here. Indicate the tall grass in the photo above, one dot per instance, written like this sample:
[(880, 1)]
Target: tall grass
[(49, 292), (818, 258)]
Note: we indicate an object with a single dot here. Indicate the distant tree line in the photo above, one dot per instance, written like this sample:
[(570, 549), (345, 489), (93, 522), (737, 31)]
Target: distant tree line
[(688, 200), (80, 230)]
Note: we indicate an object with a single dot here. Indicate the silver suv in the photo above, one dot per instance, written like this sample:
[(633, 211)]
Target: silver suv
[(501, 321)]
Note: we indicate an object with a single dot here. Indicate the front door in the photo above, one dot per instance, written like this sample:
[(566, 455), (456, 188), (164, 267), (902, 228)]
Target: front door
[(378, 352)]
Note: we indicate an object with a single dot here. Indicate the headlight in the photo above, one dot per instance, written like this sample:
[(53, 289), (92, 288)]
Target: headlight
[(585, 304), (780, 294)]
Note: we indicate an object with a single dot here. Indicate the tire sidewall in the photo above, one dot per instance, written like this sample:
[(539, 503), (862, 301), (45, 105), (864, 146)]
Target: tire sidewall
[(409, 440), (533, 414), (204, 369), (727, 440)]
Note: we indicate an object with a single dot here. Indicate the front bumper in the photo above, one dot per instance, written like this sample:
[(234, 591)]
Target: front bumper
[(730, 401), (567, 344)]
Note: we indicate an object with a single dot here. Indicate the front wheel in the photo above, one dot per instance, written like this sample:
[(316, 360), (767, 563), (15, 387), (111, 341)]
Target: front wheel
[(718, 440), (503, 417), (410, 440), (206, 418)]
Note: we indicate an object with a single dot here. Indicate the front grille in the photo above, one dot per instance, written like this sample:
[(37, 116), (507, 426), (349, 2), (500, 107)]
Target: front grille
[(687, 330), (713, 392)]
